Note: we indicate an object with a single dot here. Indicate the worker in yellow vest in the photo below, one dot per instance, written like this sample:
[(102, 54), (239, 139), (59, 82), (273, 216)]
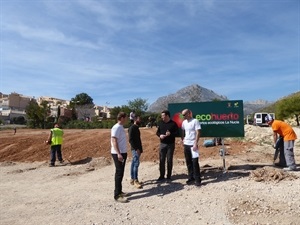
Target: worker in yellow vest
[(55, 139)]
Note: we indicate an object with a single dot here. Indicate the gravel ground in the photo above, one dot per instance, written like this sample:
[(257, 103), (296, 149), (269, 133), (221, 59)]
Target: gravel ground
[(32, 193), (250, 191)]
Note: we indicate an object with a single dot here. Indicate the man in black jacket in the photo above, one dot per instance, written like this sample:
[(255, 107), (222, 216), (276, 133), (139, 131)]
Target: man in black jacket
[(136, 149), (167, 131)]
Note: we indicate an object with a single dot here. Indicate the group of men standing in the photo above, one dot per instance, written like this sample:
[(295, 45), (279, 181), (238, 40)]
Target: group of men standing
[(167, 131)]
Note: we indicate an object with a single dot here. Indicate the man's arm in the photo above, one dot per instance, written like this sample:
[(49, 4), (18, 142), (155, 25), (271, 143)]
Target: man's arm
[(182, 134), (174, 130), (197, 138), (275, 136), (132, 133), (49, 138), (158, 130), (116, 147)]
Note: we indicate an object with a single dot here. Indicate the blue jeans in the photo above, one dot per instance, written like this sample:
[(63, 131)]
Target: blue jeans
[(134, 165)]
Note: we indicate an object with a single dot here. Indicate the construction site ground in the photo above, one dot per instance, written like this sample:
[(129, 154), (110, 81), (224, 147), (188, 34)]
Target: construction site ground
[(248, 190)]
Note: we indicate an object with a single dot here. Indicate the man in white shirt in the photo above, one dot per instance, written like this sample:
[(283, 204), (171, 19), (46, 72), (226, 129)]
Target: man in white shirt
[(190, 136), (119, 155)]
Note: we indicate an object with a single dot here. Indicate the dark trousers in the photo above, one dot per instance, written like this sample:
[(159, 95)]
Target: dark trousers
[(119, 173), (166, 152), (192, 164), (55, 150), (280, 151)]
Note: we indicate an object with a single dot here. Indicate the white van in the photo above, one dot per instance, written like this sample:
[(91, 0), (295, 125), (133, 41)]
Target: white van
[(259, 118)]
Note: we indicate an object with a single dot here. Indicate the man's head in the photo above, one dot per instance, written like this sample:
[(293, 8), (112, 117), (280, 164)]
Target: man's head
[(165, 115), (56, 125), (186, 113), (122, 116), (269, 119), (137, 120)]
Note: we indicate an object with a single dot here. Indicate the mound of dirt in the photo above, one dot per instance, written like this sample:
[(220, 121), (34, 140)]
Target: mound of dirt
[(267, 174)]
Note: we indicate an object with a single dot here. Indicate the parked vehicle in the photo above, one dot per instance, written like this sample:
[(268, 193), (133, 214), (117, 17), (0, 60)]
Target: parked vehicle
[(259, 118)]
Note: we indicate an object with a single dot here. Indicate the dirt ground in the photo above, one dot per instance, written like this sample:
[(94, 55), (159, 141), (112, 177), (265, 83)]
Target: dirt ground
[(249, 191), (80, 145)]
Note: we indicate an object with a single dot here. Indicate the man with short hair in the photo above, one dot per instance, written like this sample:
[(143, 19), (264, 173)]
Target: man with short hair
[(167, 130), (190, 136), (289, 137), (55, 139), (119, 155)]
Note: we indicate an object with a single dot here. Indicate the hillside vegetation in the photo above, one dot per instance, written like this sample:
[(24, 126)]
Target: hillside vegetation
[(286, 107)]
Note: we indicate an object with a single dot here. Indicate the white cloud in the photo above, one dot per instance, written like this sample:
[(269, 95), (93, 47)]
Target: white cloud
[(121, 50)]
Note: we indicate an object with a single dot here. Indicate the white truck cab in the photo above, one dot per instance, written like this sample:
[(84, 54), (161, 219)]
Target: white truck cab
[(259, 118)]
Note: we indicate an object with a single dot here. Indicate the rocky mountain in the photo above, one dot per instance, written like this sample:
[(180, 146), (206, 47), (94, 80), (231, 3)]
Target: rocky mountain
[(196, 93), (192, 93), (255, 106)]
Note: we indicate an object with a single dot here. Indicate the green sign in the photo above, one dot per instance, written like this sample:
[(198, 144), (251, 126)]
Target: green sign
[(217, 119)]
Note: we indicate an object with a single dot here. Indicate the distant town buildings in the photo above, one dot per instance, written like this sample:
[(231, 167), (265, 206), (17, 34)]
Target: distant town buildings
[(13, 105)]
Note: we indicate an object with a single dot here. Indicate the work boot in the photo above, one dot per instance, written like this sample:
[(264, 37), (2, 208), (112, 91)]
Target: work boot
[(137, 184)]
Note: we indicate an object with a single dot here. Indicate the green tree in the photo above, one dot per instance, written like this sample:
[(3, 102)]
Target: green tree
[(114, 111), (81, 99), (37, 115), (81, 105), (45, 110), (19, 120), (288, 107), (139, 105), (33, 114)]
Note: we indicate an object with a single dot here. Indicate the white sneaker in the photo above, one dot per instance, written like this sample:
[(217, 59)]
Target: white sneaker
[(290, 168)]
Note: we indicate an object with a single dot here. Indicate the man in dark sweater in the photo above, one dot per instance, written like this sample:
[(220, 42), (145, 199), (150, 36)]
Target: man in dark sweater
[(136, 149), (167, 131)]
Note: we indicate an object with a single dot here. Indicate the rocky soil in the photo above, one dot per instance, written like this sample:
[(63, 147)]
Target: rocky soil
[(248, 191)]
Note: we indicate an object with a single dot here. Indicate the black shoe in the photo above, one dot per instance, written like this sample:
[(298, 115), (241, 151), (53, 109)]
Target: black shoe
[(190, 181), (198, 183), (169, 179), (279, 165), (160, 179)]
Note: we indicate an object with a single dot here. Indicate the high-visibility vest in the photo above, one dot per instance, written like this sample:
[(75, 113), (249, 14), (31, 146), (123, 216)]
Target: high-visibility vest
[(57, 136)]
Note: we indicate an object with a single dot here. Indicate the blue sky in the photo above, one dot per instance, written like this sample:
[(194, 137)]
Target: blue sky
[(117, 51)]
